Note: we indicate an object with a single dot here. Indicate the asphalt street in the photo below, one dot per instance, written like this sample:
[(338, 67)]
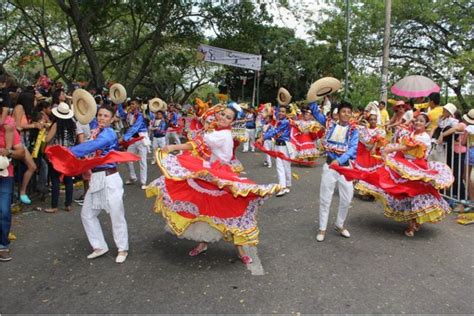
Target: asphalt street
[(377, 270)]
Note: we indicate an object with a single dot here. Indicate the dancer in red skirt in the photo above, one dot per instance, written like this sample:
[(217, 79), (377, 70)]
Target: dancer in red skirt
[(407, 184), (200, 196)]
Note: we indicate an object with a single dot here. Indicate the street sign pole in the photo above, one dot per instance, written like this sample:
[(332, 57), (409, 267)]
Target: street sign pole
[(346, 80), (386, 50)]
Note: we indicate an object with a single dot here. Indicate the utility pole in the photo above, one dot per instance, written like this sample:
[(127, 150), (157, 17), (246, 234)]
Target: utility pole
[(386, 50), (346, 80)]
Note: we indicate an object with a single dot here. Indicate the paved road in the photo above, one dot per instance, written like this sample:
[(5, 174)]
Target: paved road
[(377, 270)]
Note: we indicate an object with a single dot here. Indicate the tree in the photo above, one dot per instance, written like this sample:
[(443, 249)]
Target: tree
[(433, 38)]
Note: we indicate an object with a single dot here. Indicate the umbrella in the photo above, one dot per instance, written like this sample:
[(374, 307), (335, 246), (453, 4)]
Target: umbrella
[(414, 87)]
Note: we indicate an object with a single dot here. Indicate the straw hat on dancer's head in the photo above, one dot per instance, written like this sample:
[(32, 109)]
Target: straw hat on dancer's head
[(156, 104), (117, 93), (84, 106), (323, 87), (283, 97)]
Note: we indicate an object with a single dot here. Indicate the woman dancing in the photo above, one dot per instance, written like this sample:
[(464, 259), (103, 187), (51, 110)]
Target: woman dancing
[(407, 184), (200, 196)]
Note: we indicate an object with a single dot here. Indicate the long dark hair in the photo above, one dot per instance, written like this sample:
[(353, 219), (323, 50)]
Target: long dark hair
[(65, 130), (27, 100), (56, 95)]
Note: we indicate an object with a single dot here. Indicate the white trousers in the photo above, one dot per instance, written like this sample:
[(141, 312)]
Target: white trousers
[(268, 145), (283, 168), (173, 135), (250, 133), (158, 142), (141, 150), (114, 206), (329, 178)]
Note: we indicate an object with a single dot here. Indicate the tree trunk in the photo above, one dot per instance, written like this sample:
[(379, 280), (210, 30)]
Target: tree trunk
[(83, 33), (460, 97)]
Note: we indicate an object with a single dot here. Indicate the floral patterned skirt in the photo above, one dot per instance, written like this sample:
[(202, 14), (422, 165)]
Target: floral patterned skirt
[(304, 141), (194, 192), (407, 188)]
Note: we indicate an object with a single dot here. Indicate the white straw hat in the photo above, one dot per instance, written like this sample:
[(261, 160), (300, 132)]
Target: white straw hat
[(451, 108), (85, 108), (63, 111), (283, 97), (469, 117), (117, 93), (322, 87)]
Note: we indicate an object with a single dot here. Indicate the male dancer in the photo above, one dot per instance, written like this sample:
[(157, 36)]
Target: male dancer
[(172, 131), (158, 129), (105, 190), (268, 143), (250, 130), (138, 127), (281, 133), (340, 144)]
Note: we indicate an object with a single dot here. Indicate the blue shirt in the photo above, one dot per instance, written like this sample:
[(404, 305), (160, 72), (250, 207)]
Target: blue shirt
[(281, 131), (121, 112), (93, 124), (173, 120), (105, 141), (349, 146), (139, 126), (159, 129), (250, 121)]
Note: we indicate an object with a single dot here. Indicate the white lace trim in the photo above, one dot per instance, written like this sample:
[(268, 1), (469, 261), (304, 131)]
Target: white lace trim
[(193, 184)]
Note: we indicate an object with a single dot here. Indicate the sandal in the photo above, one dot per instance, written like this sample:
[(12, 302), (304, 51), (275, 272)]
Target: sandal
[(196, 251), (50, 210), (68, 208), (409, 232), (417, 227), (25, 199)]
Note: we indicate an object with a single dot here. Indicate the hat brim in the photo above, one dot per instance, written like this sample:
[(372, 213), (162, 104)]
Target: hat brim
[(156, 105), (322, 87), (468, 119), (117, 93), (283, 97), (84, 106), (404, 105), (56, 113)]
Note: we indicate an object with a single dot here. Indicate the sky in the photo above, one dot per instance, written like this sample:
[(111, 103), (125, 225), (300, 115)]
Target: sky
[(295, 17)]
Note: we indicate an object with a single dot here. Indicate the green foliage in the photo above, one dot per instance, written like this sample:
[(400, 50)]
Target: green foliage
[(364, 88), (432, 38), (149, 46)]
